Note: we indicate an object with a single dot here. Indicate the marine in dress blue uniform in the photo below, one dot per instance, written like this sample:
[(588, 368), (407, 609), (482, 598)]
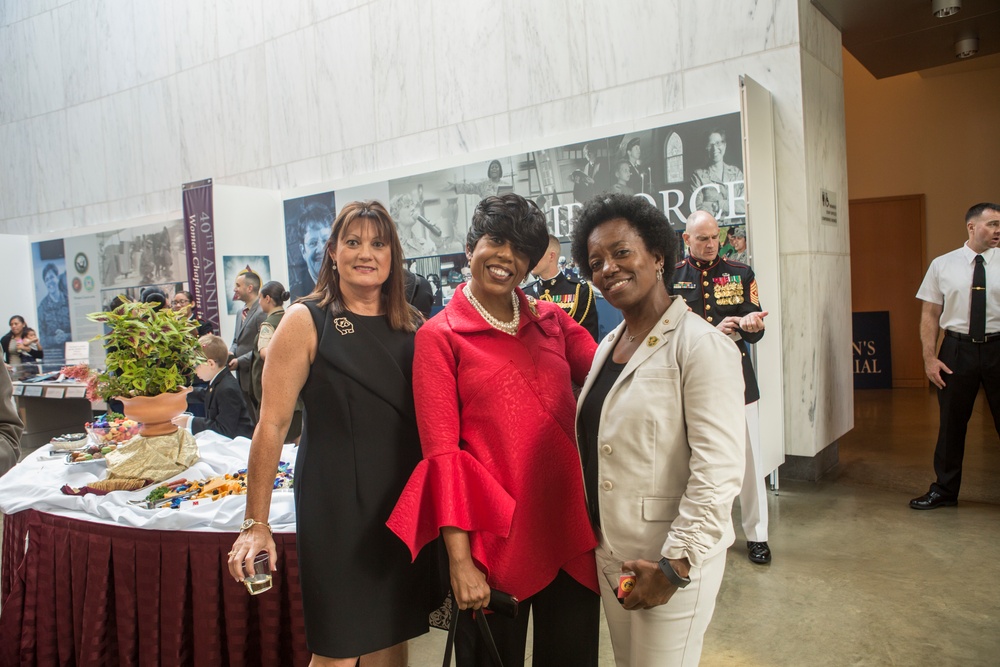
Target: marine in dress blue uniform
[(717, 288), (573, 295), (576, 297)]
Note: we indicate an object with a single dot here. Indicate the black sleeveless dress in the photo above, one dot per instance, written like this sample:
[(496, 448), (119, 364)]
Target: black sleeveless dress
[(359, 444)]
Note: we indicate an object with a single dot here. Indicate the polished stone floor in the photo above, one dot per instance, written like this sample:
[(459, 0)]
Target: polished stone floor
[(858, 578)]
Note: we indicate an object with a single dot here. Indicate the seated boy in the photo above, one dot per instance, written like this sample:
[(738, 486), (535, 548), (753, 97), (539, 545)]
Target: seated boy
[(225, 411)]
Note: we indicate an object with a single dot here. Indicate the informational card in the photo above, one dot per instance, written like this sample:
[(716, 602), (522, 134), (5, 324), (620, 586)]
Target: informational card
[(77, 352), (76, 392)]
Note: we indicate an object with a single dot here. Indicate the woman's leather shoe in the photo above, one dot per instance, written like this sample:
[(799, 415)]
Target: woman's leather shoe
[(932, 500)]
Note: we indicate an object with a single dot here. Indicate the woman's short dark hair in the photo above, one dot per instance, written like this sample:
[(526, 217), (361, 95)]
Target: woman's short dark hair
[(401, 315), (512, 218), (50, 268), (279, 295), (647, 220)]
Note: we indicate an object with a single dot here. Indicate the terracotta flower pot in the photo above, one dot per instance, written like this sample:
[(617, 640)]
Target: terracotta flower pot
[(155, 413)]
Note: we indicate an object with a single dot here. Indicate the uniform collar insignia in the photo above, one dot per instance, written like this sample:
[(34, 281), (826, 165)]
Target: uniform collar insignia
[(702, 265)]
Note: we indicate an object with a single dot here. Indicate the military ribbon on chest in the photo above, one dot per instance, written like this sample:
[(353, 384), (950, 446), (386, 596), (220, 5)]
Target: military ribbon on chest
[(728, 290), (564, 301)]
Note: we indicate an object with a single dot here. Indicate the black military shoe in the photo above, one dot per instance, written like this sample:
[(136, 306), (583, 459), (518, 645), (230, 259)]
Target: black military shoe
[(759, 552), (932, 500)]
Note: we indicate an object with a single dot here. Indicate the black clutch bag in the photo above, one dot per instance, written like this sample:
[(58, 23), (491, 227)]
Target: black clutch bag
[(500, 603)]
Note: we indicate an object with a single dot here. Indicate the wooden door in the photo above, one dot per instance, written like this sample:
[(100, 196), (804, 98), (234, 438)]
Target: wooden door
[(887, 266)]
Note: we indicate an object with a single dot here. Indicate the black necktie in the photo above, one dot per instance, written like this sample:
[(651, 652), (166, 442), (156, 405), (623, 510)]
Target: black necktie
[(977, 316)]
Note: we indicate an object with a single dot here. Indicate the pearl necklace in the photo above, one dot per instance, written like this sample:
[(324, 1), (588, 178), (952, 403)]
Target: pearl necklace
[(506, 327)]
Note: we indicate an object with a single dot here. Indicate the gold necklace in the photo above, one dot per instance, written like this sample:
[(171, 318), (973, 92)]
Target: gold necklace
[(633, 336), (506, 327)]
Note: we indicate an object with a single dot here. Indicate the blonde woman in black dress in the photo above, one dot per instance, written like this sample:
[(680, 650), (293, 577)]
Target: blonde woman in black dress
[(348, 347)]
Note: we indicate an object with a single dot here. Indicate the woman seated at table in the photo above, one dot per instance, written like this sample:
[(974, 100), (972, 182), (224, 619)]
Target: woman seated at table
[(661, 432), (493, 381), (20, 344), (348, 348)]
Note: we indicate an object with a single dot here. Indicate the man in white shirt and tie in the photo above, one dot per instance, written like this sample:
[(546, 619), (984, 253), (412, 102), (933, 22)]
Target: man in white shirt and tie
[(961, 295)]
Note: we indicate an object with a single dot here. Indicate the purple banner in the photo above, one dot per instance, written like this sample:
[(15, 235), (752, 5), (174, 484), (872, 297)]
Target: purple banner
[(200, 240)]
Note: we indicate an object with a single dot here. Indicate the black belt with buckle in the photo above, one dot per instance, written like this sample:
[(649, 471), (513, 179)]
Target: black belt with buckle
[(988, 338)]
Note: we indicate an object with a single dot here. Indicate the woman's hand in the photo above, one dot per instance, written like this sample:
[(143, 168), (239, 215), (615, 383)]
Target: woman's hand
[(245, 549), (469, 586), (652, 588)]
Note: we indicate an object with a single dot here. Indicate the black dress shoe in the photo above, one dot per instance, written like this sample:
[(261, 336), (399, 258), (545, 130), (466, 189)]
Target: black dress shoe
[(932, 500), (759, 552)]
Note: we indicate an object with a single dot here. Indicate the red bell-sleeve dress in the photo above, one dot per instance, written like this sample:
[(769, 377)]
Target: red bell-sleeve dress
[(496, 415)]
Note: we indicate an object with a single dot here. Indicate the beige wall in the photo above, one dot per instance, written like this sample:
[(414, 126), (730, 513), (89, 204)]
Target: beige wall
[(937, 134)]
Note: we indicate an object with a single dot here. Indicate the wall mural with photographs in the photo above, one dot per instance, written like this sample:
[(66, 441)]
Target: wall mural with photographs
[(679, 168), (82, 274)]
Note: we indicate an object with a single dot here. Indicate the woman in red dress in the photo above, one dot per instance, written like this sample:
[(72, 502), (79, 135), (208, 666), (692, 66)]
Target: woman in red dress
[(493, 379)]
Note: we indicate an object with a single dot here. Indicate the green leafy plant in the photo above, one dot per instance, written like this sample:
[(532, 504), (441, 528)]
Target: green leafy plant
[(149, 351)]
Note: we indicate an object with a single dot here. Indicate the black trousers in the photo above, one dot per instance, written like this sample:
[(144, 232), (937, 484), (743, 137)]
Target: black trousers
[(972, 365), (566, 615)]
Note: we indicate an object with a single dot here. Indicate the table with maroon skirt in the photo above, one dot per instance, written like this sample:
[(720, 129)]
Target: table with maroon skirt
[(89, 592)]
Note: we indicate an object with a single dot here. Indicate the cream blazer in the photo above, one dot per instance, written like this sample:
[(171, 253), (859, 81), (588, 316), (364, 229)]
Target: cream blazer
[(671, 443)]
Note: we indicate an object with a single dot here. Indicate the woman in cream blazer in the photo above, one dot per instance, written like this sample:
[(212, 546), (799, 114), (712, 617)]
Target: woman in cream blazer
[(660, 425)]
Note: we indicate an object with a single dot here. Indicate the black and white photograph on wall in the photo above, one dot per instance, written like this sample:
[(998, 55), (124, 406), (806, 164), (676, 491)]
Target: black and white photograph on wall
[(142, 255), (486, 179), (632, 173), (52, 298), (717, 186), (307, 227), (432, 211), (591, 173), (233, 266), (684, 167)]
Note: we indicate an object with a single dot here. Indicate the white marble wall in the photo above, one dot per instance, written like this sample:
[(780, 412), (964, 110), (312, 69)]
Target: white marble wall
[(107, 106), (816, 265)]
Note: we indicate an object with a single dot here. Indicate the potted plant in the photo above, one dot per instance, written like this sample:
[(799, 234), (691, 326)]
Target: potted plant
[(151, 355)]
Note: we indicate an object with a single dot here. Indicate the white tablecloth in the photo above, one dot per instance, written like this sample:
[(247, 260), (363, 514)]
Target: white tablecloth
[(36, 483)]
